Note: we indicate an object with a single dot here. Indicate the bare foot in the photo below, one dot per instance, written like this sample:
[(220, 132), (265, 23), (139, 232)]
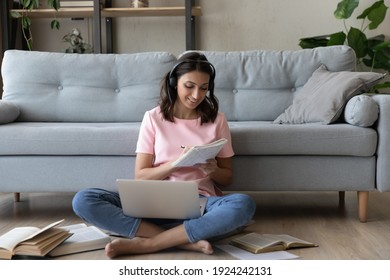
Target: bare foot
[(121, 246), (139, 245), (202, 246)]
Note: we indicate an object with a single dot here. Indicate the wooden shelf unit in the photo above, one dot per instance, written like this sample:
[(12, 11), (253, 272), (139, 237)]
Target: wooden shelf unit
[(97, 12), (110, 12)]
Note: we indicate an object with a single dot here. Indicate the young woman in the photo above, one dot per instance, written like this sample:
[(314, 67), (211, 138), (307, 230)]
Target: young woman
[(187, 115)]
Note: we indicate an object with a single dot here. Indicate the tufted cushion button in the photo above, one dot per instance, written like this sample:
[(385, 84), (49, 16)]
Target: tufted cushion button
[(60, 87), (235, 91), (117, 90), (293, 89)]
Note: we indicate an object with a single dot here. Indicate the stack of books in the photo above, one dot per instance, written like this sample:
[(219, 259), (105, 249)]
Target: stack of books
[(51, 240)]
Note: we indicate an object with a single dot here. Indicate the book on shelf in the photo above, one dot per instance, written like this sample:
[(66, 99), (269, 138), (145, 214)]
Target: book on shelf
[(32, 241), (200, 154), (263, 243), (74, 4), (84, 238)]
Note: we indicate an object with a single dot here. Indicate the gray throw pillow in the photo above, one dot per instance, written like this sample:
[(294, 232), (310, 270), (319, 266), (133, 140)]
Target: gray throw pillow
[(323, 97), (8, 112), (361, 110)]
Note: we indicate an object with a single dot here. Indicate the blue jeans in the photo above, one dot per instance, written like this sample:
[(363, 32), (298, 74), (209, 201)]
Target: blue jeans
[(222, 215)]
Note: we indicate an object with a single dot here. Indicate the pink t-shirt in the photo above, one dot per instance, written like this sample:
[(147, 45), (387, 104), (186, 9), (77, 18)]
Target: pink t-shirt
[(163, 139)]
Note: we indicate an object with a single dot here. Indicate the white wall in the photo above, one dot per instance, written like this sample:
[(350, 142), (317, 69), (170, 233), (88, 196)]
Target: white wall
[(224, 25), (270, 24)]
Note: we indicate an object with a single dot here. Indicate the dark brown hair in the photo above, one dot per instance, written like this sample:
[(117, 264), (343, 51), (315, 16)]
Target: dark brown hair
[(191, 61)]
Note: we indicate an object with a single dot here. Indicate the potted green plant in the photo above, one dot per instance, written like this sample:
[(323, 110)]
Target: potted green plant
[(372, 52), (76, 42), (28, 5)]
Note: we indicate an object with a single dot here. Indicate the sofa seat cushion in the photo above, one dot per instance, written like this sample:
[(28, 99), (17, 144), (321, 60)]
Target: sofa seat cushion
[(39, 138), (266, 138), (249, 138)]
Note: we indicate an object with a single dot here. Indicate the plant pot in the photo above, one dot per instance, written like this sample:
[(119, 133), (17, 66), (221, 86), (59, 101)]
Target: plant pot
[(139, 3)]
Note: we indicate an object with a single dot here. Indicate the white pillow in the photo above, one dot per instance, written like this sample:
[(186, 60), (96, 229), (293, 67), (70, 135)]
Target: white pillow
[(325, 94), (361, 110)]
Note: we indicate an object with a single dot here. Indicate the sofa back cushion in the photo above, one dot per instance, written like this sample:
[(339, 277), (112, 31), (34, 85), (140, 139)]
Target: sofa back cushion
[(54, 87), (260, 85)]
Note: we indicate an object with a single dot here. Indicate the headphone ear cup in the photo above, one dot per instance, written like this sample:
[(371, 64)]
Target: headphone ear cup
[(172, 82)]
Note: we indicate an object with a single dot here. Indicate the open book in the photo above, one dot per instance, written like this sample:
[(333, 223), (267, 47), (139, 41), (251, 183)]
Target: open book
[(84, 238), (32, 241), (262, 243), (200, 154)]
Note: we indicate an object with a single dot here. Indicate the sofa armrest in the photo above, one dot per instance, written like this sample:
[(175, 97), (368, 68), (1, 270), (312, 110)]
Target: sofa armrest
[(383, 149), (9, 112)]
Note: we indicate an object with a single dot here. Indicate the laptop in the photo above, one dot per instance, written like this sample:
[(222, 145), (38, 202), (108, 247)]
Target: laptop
[(160, 199)]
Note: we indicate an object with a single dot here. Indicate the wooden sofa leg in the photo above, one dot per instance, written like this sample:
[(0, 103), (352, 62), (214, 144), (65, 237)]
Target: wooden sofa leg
[(362, 206), (16, 196), (341, 198)]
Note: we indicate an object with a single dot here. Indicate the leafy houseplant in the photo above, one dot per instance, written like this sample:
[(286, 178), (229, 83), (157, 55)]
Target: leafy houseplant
[(28, 5), (76, 42), (372, 52)]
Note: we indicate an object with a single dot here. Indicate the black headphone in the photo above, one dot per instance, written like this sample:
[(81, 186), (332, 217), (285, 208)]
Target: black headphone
[(172, 78)]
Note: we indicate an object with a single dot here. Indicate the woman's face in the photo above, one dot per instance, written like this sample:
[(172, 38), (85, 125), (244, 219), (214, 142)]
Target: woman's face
[(191, 90)]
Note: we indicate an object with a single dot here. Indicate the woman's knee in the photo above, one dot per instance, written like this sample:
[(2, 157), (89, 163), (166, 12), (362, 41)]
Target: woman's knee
[(246, 205), (78, 201), (82, 200)]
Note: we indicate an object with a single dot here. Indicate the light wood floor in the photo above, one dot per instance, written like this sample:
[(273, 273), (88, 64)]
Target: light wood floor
[(313, 216)]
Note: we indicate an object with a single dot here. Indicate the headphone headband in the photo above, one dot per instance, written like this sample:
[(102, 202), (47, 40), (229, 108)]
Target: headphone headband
[(172, 78)]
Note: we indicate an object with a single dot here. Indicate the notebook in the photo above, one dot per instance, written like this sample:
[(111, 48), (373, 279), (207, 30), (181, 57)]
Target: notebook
[(160, 199)]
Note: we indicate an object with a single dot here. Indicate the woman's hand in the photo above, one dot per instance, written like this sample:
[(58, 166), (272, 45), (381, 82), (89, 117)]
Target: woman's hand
[(185, 149), (220, 170), (209, 167), (145, 170)]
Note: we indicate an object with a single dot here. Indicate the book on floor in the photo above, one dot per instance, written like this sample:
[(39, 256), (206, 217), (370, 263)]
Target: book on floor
[(262, 243), (32, 241), (200, 154), (84, 238)]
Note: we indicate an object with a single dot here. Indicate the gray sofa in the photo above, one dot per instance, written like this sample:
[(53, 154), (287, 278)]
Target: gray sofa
[(73, 122)]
